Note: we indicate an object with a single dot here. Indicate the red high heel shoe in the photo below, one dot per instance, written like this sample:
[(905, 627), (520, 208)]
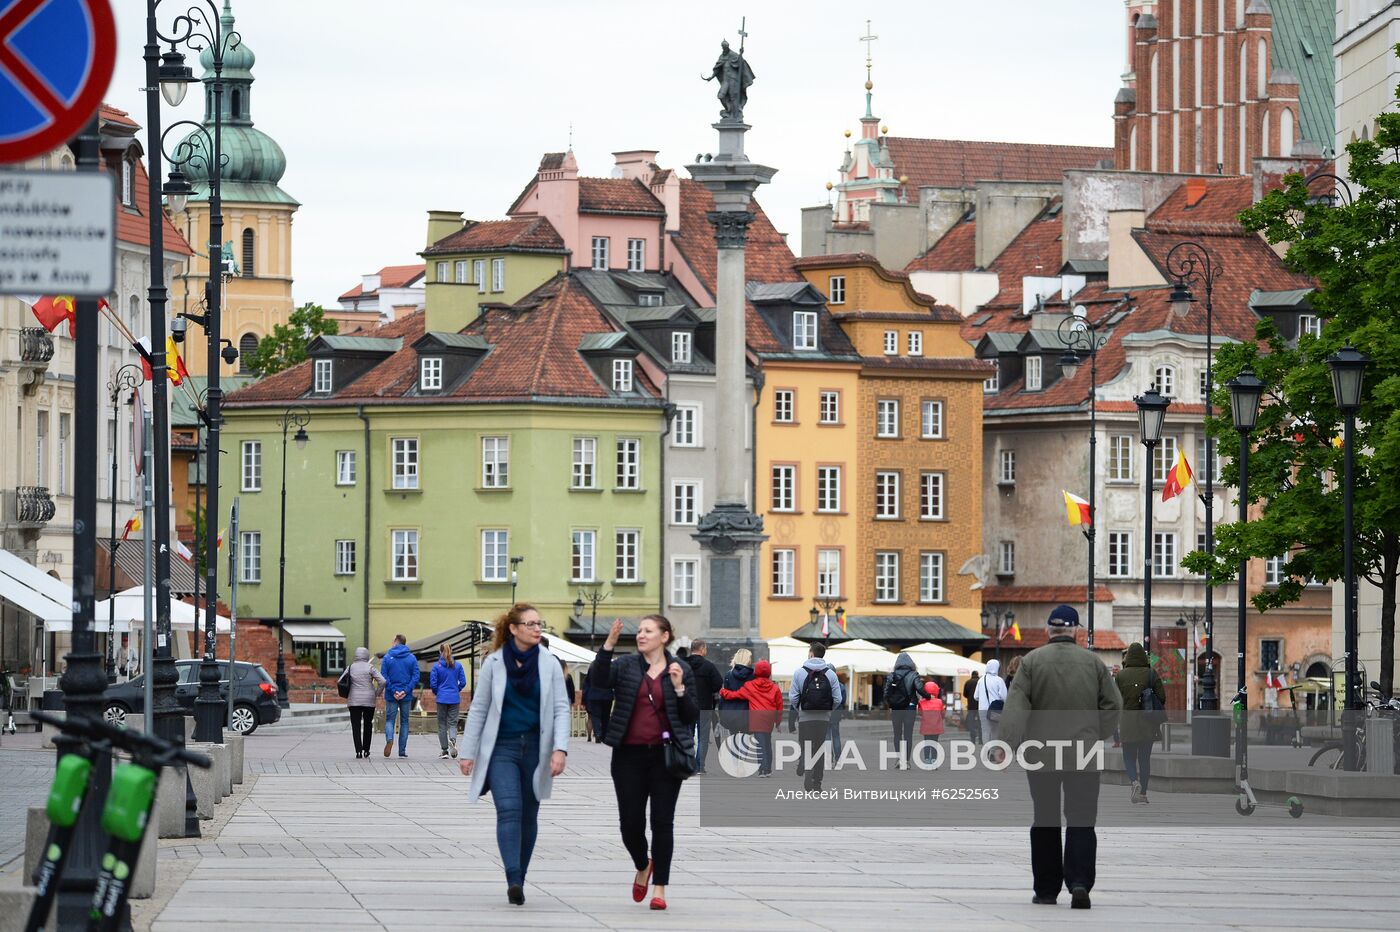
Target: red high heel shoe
[(639, 890), (658, 903)]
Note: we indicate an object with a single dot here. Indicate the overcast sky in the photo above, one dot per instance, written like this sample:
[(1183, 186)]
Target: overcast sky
[(387, 110)]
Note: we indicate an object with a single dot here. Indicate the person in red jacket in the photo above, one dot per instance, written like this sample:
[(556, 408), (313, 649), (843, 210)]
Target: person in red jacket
[(930, 717), (765, 710)]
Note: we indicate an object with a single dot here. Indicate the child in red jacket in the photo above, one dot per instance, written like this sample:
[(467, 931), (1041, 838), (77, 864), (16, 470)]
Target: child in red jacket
[(930, 717), (765, 710)]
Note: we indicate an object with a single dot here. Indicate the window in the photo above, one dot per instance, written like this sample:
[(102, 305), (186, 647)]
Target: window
[(247, 346), (629, 463), (784, 488), (784, 573), (442, 274), (836, 290), (128, 183), (498, 275), (1006, 467), (1273, 570), (495, 462), (685, 501), (600, 253), (1203, 386), (344, 467), (622, 375), (405, 554), (41, 455), (584, 549), (887, 576), (321, 383), (405, 459), (636, 255), (1270, 653), (1033, 373), (930, 577), (992, 383), (63, 429), (828, 574), (1164, 380), (829, 488), (430, 373), (830, 408), (916, 343), (345, 558), (459, 271), (250, 556), (887, 495), (1309, 324), (495, 556), (1006, 558), (1163, 459), (804, 330), (782, 406), (931, 420), (681, 347), (685, 427), (931, 496), (585, 461), (1204, 447), (1120, 553), (479, 275), (887, 417), (248, 271), (649, 299), (252, 466), (891, 343), (685, 573), (112, 482), (628, 554), (1163, 553), (1120, 458)]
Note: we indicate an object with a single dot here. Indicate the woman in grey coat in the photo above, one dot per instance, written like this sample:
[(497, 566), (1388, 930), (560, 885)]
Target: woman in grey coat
[(517, 736), (365, 686)]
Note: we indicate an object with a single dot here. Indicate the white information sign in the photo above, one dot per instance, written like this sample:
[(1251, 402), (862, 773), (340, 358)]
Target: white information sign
[(58, 233)]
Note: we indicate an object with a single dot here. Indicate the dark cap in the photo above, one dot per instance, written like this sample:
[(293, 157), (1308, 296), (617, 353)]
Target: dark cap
[(1063, 616)]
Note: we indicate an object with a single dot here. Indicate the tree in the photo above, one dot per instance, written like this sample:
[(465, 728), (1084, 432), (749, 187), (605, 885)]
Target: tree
[(286, 345), (1353, 251)]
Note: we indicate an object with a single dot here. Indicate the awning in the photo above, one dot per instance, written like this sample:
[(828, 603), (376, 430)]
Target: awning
[(568, 651), (130, 560), (34, 591), (313, 631), (183, 616), (462, 638)]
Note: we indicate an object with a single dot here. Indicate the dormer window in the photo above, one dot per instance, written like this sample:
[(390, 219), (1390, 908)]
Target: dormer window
[(992, 383), (128, 182), (916, 343), (442, 268), (1309, 323), (1033, 373), (498, 275), (479, 273), (837, 289), (891, 342), (682, 343), (804, 330), (321, 380), (649, 299), (622, 375), (460, 271), (1164, 381), (430, 374)]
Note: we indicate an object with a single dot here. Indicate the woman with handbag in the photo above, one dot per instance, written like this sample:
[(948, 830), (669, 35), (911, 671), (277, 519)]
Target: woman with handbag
[(517, 736), (653, 752), (362, 685), (1138, 726)]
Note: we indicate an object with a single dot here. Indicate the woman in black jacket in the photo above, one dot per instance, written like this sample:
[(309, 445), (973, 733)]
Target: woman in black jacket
[(654, 703)]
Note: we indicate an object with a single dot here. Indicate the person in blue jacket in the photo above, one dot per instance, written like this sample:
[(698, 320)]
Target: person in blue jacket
[(400, 671), (447, 680)]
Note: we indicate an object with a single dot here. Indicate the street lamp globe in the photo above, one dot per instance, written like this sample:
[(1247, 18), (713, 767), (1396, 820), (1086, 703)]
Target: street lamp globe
[(174, 77), (578, 608), (177, 190), (1348, 369), (840, 614), (1245, 391), (1181, 299), (813, 614), (1069, 364), (1152, 409), (301, 438)]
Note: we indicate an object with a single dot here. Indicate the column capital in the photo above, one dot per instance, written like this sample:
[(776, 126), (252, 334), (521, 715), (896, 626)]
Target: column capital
[(731, 227)]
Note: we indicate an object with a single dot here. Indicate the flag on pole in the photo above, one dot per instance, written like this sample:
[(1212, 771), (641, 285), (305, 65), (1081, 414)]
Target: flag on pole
[(826, 627), (1178, 478), (841, 620), (51, 310), (1077, 510), (220, 544), (138, 433), (1016, 630), (174, 365), (132, 524), (184, 552)]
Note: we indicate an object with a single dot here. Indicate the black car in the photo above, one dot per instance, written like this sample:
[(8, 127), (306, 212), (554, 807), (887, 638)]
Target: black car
[(254, 702)]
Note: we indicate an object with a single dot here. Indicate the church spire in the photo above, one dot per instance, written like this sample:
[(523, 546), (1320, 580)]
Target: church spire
[(868, 38)]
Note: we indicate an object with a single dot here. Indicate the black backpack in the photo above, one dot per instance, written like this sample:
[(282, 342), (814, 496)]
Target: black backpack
[(1152, 708), (898, 693), (816, 695)]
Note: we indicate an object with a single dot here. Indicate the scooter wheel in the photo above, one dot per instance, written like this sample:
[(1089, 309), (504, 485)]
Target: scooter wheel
[(1243, 807), (1295, 807)]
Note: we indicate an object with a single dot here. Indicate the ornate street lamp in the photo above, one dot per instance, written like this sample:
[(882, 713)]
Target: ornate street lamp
[(1245, 391), (825, 607), (1080, 336), (1152, 409), (126, 379), (1348, 374), (298, 417), (593, 596)]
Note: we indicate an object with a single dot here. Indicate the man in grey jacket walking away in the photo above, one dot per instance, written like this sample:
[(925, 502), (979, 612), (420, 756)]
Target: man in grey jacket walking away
[(815, 695)]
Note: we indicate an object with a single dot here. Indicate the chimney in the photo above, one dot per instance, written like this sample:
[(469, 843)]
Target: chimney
[(635, 163), (443, 223), (1195, 190), (369, 283)]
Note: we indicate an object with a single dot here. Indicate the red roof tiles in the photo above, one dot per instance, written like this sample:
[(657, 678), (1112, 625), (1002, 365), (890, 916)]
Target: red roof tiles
[(956, 163), (617, 196), (132, 224), (391, 276), (1031, 638), (528, 234), (955, 251), (1069, 594)]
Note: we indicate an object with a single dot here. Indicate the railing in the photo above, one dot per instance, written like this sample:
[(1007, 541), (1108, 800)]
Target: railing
[(35, 345), (33, 505)]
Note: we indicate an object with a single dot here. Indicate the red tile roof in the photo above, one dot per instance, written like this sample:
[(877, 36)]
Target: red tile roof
[(107, 112), (527, 234), (132, 224), (1031, 638), (956, 163), (391, 276), (955, 251), (935, 310), (1218, 211), (617, 196), (1068, 594)]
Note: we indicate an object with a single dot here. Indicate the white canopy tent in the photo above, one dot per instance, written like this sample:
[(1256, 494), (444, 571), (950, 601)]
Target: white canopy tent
[(860, 655), (183, 615), (933, 660), (568, 651), (785, 655)]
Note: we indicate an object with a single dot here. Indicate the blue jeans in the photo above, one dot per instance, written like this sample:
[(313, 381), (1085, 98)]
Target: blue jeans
[(765, 751), (1137, 760), (397, 709), (702, 736), (510, 777)]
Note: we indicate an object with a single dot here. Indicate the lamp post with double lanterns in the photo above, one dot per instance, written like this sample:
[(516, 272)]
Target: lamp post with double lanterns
[(1189, 263), (1080, 336), (592, 597), (1348, 368), (126, 379), (995, 612), (1152, 409), (298, 417), (825, 608), (1245, 391)]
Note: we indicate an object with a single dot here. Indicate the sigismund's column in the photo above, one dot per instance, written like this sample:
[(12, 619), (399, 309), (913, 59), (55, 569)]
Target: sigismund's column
[(731, 533)]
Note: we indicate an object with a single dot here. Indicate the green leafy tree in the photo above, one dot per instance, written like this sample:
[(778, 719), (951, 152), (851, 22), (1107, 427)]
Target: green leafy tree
[(286, 345), (1353, 251)]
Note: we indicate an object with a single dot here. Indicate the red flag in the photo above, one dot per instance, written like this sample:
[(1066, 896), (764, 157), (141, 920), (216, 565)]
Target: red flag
[(174, 365), (1178, 478), (52, 311), (132, 524)]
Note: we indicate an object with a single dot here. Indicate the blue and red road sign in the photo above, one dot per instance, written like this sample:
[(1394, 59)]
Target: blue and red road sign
[(56, 61)]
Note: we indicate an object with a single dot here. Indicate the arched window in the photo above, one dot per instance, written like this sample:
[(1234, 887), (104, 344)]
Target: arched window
[(1261, 68), (247, 345), (1156, 103), (248, 253), (133, 314), (1264, 137), (1285, 133), (1132, 148), (236, 103), (1164, 380)]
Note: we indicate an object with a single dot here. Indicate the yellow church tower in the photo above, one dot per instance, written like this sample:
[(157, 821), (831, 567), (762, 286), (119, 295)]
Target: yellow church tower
[(257, 220)]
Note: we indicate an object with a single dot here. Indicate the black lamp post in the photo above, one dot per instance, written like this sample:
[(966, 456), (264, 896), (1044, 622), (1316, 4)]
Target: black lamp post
[(825, 607), (126, 379), (1189, 263), (514, 576), (1152, 409), (593, 597), (996, 612), (1348, 373), (298, 417), (1080, 336), (1245, 392)]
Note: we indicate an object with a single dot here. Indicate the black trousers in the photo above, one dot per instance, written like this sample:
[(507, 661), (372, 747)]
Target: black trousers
[(1072, 865), (639, 776), (903, 722), (813, 734), (361, 723)]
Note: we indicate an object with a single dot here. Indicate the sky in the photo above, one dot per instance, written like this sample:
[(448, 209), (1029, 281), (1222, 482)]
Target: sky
[(386, 111)]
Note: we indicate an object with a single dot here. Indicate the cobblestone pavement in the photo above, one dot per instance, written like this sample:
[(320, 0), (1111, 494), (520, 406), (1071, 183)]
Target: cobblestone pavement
[(25, 773)]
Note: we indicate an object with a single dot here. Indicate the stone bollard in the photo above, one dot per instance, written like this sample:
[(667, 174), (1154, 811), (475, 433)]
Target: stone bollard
[(170, 803), (235, 755), (223, 762), (15, 903), (36, 832), (206, 783)]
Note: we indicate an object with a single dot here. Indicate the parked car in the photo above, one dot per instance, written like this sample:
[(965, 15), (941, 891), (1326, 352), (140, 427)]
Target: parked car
[(254, 700)]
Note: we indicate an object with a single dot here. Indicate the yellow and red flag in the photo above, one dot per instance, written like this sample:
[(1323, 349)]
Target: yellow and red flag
[(132, 524), (841, 620), (1178, 478), (174, 365), (1077, 510), (1016, 630)]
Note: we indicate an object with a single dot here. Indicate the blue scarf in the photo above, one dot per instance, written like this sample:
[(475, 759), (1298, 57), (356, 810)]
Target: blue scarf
[(522, 667)]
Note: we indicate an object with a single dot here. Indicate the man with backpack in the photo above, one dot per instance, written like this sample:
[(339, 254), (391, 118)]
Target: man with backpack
[(902, 690), (815, 695)]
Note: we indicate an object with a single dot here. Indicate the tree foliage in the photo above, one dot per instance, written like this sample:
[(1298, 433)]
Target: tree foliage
[(286, 345)]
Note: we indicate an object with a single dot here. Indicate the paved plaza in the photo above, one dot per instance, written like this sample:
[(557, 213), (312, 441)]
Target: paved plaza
[(322, 841)]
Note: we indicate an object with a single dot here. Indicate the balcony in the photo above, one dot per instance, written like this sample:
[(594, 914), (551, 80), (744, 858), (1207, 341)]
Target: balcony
[(35, 346), (32, 506)]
